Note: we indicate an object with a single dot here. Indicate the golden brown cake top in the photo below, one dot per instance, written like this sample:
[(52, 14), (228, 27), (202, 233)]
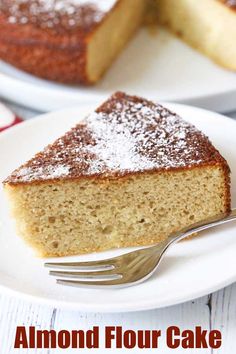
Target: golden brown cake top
[(61, 15), (230, 3), (125, 135)]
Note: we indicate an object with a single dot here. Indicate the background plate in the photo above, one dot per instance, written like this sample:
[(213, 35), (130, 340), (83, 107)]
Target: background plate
[(191, 269), (158, 66)]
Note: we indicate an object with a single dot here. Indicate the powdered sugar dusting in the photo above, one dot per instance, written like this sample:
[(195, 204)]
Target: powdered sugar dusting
[(139, 138), (32, 173), (50, 13), (126, 135), (116, 146)]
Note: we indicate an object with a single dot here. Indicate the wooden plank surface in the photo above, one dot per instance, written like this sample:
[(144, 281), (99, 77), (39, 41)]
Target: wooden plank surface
[(216, 311)]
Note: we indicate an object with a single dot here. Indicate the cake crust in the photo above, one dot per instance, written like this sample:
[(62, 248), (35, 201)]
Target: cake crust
[(230, 3), (62, 17)]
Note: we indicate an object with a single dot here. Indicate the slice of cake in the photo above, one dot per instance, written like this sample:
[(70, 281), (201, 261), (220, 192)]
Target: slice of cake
[(207, 25), (130, 174), (71, 41)]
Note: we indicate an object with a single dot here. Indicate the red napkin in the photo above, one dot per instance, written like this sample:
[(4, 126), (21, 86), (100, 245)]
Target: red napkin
[(7, 118)]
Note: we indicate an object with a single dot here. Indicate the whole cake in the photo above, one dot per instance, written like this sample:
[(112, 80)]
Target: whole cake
[(71, 41), (75, 41), (130, 174)]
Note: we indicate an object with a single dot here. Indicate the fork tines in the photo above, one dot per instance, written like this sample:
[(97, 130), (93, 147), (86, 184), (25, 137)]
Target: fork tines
[(94, 273)]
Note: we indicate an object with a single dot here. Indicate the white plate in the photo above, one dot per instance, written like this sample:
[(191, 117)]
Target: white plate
[(191, 269), (156, 66)]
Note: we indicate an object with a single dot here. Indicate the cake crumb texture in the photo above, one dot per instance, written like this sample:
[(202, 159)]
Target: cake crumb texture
[(66, 218)]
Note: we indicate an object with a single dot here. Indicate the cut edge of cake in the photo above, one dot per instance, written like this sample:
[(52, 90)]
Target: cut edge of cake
[(208, 26)]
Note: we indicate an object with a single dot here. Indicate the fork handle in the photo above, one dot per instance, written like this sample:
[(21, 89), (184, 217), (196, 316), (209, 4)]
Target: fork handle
[(208, 223)]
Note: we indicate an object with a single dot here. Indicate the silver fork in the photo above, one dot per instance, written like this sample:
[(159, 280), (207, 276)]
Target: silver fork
[(130, 268)]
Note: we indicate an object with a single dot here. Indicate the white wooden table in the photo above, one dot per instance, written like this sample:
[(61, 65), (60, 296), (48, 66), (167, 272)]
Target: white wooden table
[(215, 311)]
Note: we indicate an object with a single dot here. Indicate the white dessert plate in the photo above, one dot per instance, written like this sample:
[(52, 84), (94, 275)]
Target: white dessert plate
[(191, 269), (158, 66)]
